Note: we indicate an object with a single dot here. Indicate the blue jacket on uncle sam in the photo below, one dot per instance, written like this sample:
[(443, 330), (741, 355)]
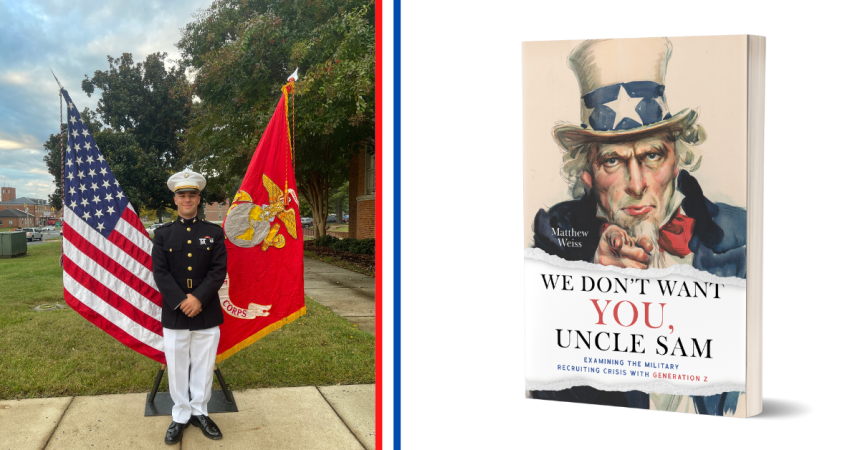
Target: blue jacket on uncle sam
[(719, 234)]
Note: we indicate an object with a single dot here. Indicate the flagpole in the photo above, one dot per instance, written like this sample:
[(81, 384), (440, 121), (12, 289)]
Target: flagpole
[(293, 134), (292, 79), (63, 166)]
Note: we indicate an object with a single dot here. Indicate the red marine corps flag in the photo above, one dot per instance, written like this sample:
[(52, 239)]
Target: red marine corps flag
[(265, 270)]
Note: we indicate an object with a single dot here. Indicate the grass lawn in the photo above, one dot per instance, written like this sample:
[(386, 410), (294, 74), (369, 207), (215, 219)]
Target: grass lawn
[(341, 228), (59, 353)]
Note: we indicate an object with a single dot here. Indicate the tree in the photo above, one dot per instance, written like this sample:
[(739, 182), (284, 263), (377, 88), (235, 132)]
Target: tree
[(338, 198), (244, 50), (53, 159), (146, 108), (138, 172)]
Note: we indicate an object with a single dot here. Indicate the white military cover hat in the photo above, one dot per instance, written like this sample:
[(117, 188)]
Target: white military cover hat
[(186, 181)]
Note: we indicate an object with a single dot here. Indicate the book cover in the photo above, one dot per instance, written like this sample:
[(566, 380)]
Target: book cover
[(635, 211)]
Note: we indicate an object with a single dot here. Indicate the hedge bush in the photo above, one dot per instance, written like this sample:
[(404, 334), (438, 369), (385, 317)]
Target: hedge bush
[(325, 241), (343, 245), (351, 245), (363, 246)]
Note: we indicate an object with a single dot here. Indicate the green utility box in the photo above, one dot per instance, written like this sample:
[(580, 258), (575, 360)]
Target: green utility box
[(13, 243)]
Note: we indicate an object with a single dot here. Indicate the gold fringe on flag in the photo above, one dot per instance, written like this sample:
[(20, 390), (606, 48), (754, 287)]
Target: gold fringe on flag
[(258, 335)]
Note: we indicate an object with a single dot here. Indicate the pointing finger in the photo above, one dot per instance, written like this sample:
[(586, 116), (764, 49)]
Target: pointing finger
[(645, 243), (637, 254)]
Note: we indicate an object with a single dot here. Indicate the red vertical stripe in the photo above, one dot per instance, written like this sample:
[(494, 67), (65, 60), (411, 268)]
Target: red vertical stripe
[(378, 221)]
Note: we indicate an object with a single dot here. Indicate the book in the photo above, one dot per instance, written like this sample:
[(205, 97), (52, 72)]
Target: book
[(643, 231)]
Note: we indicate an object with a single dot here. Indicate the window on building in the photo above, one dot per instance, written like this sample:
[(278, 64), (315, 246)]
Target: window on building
[(219, 215)]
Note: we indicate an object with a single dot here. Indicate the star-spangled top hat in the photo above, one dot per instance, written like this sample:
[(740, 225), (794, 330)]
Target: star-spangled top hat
[(622, 88)]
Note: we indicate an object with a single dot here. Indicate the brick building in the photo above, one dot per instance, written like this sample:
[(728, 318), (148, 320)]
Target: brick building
[(13, 218), (216, 212), (362, 195), (7, 193), (42, 213)]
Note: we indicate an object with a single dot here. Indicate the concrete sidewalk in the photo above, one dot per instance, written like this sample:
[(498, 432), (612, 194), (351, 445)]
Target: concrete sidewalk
[(324, 417), (348, 294), (329, 417)]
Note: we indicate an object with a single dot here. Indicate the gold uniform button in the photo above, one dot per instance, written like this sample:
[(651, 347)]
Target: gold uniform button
[(171, 249), (207, 248), (189, 229), (189, 241), (189, 268), (189, 255)]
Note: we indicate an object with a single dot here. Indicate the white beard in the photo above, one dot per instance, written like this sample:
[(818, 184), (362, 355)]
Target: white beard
[(637, 228)]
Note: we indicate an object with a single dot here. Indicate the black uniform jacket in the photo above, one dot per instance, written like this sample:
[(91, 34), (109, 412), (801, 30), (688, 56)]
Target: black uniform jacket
[(189, 257)]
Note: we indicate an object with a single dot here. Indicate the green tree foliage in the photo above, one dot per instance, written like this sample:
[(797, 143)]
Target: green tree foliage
[(243, 52), (53, 147), (146, 99), (145, 108)]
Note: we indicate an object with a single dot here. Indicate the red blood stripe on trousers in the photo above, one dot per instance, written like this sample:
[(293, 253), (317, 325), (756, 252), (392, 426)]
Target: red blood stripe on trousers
[(111, 298), (111, 266), (129, 216), (133, 250), (108, 327)]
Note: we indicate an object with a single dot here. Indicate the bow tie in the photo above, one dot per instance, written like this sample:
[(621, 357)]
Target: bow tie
[(675, 235)]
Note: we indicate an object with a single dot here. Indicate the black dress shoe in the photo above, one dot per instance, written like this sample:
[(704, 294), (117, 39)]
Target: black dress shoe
[(174, 433), (206, 425)]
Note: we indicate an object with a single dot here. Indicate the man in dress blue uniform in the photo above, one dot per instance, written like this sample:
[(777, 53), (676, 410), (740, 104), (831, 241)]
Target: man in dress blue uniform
[(189, 263), (635, 203)]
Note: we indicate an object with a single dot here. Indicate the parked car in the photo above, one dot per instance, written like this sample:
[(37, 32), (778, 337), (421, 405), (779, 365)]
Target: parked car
[(346, 218), (49, 228), (155, 225), (307, 221), (33, 234), (331, 218)]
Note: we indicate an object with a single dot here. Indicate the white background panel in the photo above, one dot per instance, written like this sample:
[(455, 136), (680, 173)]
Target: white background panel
[(463, 327)]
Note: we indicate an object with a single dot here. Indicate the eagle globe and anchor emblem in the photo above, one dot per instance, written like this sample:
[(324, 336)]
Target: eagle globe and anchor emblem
[(248, 225)]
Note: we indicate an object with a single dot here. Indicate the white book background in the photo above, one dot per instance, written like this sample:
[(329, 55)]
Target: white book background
[(462, 284)]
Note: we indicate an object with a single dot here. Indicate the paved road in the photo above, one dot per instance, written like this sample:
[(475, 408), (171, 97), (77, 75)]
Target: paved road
[(45, 235)]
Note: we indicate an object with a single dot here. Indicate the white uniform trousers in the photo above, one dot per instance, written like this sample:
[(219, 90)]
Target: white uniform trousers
[(190, 364)]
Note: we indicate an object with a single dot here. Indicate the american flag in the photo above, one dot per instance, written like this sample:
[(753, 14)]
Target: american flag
[(107, 268)]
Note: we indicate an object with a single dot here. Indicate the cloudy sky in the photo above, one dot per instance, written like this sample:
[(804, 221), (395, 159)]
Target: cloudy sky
[(73, 39)]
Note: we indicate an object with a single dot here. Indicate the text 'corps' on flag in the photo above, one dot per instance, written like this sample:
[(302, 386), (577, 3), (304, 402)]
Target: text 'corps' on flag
[(265, 268), (107, 268)]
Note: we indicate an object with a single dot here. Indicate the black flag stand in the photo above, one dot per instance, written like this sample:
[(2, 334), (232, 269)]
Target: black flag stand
[(160, 403)]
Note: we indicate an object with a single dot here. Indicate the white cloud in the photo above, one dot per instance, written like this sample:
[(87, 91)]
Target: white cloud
[(17, 142), (12, 77), (11, 145), (73, 39)]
